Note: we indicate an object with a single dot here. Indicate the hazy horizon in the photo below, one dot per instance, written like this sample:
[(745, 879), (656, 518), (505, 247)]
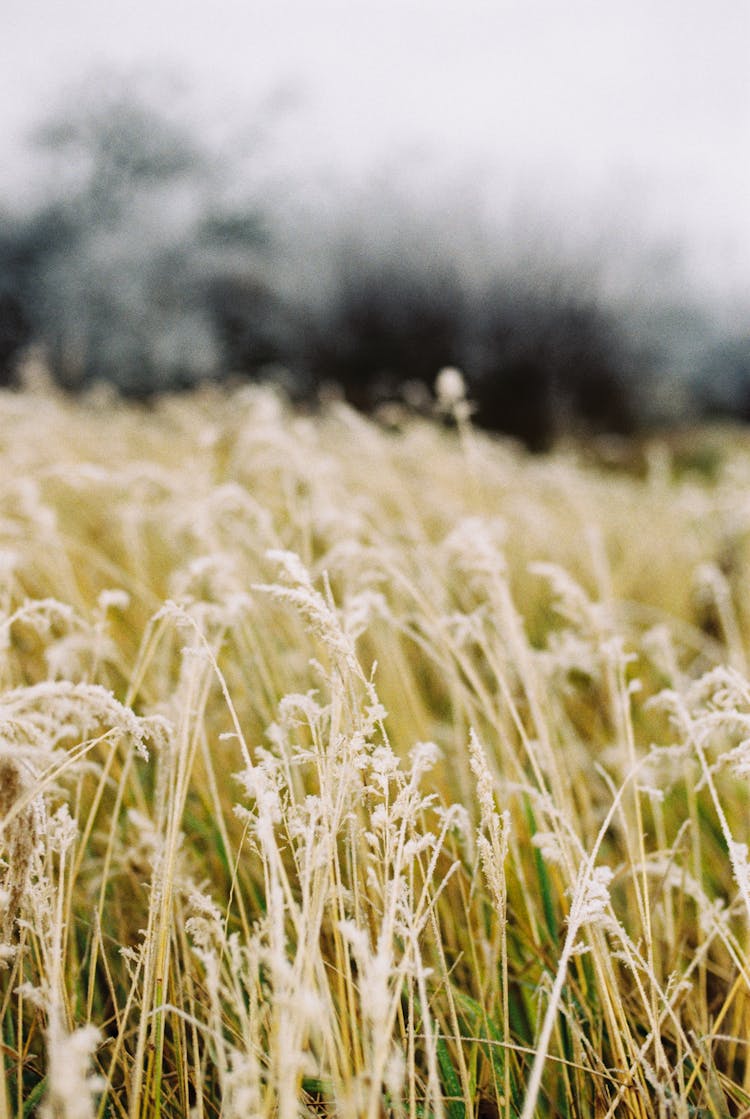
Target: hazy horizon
[(633, 117), (363, 193)]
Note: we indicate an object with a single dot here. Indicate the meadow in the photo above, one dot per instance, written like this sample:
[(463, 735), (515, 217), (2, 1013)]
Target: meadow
[(363, 770)]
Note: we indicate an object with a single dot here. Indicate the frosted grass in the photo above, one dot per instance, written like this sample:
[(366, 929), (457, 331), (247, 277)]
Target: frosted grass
[(356, 771)]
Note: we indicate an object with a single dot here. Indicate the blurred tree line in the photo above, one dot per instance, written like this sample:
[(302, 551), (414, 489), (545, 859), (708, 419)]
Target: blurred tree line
[(136, 266)]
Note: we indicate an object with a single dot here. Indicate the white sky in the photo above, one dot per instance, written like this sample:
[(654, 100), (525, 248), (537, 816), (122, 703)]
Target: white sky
[(638, 108)]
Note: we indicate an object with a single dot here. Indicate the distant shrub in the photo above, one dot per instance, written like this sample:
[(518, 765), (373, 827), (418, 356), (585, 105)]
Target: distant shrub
[(252, 323), (15, 332), (723, 383), (385, 324), (539, 363), (546, 364)]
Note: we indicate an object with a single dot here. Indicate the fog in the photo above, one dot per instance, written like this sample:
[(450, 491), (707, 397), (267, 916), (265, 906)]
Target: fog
[(554, 199)]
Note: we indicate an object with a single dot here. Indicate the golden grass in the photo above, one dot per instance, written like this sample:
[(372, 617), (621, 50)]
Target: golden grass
[(352, 772)]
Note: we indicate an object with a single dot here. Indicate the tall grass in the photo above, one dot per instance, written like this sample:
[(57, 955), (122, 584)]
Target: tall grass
[(357, 772)]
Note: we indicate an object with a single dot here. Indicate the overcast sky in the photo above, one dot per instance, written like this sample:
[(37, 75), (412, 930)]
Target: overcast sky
[(638, 110)]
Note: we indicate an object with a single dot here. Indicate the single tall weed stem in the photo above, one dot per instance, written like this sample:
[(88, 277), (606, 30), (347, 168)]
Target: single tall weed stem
[(590, 899)]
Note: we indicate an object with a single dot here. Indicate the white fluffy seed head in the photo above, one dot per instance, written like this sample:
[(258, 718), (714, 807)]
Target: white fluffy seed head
[(450, 387)]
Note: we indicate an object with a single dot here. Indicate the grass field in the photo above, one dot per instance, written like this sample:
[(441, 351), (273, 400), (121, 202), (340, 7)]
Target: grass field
[(352, 771)]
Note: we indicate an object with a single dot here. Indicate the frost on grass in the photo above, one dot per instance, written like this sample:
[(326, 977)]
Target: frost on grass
[(364, 774), (19, 840), (73, 1089)]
